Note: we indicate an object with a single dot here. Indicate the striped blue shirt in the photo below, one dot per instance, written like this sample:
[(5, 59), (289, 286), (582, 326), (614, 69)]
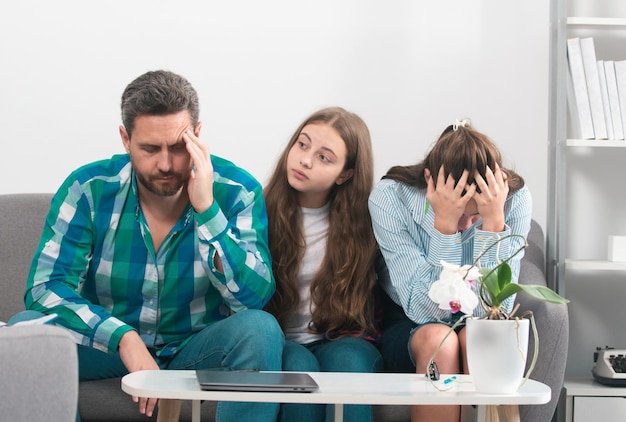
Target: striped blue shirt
[(96, 266), (413, 248)]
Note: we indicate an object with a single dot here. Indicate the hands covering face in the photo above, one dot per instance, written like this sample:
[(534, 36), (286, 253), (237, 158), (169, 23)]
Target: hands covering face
[(450, 203)]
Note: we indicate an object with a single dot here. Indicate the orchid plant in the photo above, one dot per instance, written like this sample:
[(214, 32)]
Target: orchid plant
[(462, 288)]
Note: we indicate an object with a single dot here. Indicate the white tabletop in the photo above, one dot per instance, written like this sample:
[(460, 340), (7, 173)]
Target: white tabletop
[(338, 388)]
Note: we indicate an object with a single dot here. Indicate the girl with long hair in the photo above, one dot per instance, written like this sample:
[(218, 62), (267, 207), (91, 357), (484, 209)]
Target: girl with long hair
[(324, 253), (448, 207)]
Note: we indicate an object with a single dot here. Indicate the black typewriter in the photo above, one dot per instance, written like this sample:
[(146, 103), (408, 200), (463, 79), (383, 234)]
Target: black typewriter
[(610, 366)]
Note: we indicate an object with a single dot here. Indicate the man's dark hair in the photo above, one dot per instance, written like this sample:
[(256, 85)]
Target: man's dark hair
[(158, 93)]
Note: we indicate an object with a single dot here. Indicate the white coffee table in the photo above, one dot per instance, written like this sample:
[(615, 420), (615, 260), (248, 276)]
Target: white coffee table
[(338, 388)]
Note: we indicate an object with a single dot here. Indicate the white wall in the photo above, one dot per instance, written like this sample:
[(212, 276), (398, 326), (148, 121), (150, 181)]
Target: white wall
[(408, 67)]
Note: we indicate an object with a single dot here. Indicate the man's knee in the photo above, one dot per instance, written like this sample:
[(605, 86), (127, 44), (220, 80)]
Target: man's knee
[(260, 325)]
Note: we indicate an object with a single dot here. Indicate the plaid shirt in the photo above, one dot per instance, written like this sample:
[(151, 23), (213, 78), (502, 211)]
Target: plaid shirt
[(96, 266)]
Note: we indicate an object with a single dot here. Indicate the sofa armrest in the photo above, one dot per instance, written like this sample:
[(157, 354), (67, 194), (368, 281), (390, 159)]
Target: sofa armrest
[(40, 368)]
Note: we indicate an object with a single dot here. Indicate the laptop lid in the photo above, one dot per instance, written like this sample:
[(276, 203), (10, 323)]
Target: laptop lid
[(297, 382)]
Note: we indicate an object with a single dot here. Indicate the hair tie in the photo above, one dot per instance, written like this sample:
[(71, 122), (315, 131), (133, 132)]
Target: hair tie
[(460, 123)]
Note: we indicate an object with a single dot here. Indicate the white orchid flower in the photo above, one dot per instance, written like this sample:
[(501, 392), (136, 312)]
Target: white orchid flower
[(454, 289), (469, 273)]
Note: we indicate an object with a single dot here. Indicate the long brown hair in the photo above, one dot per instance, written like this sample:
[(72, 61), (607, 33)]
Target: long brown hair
[(342, 289), (460, 147)]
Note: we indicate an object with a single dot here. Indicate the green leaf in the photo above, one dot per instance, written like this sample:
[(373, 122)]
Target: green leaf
[(535, 290), (543, 293), (504, 275), (509, 291), (490, 286)]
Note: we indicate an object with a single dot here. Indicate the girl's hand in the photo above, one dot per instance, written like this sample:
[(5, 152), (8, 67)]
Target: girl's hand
[(447, 200), (490, 200)]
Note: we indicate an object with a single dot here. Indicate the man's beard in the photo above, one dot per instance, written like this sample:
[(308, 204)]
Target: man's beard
[(163, 189)]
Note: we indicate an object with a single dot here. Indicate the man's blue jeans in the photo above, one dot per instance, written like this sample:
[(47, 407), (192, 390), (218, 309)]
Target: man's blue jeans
[(250, 339), (347, 354)]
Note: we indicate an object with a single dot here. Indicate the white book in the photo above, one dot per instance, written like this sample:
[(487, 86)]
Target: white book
[(614, 101), (620, 76), (605, 100), (593, 87), (573, 124), (577, 71)]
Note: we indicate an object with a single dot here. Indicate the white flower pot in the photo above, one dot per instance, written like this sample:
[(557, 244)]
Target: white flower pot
[(496, 354)]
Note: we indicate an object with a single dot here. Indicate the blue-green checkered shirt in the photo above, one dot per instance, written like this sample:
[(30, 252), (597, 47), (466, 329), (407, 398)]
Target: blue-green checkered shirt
[(96, 266)]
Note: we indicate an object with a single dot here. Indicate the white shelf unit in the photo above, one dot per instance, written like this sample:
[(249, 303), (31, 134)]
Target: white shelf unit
[(595, 21), (586, 400), (558, 262), (592, 143), (594, 265), (561, 145), (582, 396)]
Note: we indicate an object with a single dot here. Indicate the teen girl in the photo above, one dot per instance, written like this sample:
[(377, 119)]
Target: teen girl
[(323, 253), (449, 207)]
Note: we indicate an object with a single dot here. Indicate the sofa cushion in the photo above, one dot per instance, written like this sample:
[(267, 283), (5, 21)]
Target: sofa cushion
[(22, 218)]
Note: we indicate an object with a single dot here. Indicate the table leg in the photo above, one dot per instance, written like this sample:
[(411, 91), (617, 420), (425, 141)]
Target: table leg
[(502, 413), (481, 413), (169, 410), (195, 410), (339, 412), (509, 413)]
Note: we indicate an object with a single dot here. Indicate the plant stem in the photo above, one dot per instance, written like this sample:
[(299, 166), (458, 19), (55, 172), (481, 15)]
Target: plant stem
[(500, 239), (450, 331)]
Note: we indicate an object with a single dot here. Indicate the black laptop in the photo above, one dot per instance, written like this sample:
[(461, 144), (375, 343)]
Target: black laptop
[(296, 382)]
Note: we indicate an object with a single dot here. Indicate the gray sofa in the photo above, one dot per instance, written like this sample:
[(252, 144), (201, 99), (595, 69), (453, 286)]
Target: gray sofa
[(21, 221), (39, 371)]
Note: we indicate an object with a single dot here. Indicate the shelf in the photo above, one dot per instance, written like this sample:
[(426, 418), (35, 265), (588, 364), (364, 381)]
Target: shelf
[(595, 143), (594, 265), (585, 399), (590, 387), (588, 21)]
